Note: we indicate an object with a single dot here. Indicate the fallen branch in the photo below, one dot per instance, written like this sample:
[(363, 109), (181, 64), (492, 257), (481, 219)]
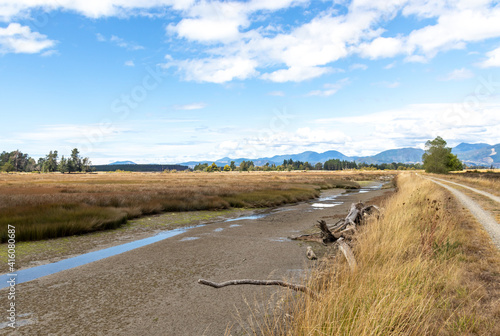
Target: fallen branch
[(298, 288), (315, 237)]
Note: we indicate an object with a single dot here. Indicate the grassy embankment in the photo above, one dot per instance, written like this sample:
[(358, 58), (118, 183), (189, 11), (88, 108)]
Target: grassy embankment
[(45, 206), (485, 180), (425, 268)]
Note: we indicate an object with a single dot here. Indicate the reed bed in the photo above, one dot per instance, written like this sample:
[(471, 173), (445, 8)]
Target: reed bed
[(424, 268), (45, 206)]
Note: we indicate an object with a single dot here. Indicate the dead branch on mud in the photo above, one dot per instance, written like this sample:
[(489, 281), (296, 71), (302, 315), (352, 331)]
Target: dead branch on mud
[(295, 287), (335, 233)]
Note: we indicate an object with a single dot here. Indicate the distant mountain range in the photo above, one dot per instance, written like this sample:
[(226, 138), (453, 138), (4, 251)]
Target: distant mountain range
[(472, 154), (123, 163)]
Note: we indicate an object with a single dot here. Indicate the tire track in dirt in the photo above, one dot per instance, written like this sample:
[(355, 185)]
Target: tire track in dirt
[(484, 193), (484, 217)]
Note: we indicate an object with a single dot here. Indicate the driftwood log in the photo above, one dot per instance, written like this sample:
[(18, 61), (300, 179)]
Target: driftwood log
[(347, 252), (331, 233), (298, 288), (328, 235)]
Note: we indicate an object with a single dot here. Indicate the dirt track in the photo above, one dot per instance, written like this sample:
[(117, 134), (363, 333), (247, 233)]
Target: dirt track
[(484, 217), (153, 290)]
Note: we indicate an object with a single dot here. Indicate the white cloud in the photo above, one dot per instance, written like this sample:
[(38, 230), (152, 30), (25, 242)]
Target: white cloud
[(493, 59), (49, 53), (413, 125), (295, 74), (458, 74), (240, 31), (271, 143), (358, 66), (330, 88), (10, 9), (124, 44), (189, 107), (129, 63), (219, 70), (21, 40), (382, 47), (466, 21), (100, 37), (118, 41), (277, 93), (390, 65)]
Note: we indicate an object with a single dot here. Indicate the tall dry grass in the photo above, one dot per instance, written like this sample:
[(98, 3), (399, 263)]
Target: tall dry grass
[(420, 272), (53, 205), (487, 182)]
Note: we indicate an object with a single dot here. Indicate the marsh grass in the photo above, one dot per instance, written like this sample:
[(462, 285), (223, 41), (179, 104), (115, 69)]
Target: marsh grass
[(424, 268), (54, 205), (486, 182)]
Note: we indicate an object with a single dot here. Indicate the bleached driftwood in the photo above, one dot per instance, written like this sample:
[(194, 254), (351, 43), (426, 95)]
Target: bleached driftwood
[(347, 252), (330, 233)]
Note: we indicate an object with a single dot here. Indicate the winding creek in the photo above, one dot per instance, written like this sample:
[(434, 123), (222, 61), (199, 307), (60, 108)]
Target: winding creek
[(327, 200)]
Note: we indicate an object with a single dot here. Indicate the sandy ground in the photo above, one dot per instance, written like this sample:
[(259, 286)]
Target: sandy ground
[(153, 290), (484, 217)]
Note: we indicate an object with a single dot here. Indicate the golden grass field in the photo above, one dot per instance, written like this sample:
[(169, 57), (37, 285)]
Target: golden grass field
[(487, 180), (45, 206), (424, 268)]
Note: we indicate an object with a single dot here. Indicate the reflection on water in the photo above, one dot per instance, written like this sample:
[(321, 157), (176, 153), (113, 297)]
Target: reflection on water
[(43, 270)]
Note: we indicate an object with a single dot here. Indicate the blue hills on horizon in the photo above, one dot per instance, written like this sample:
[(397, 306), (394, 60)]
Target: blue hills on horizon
[(480, 154)]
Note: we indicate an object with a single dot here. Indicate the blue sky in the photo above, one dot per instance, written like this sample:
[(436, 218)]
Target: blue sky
[(166, 81)]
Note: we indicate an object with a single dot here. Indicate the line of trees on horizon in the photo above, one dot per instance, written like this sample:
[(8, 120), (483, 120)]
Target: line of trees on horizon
[(16, 161), (289, 165)]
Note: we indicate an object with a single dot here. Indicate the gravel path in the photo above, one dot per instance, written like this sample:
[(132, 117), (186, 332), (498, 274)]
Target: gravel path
[(483, 216), (484, 193)]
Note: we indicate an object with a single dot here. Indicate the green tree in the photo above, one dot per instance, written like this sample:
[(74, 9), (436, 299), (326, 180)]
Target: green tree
[(212, 168), (8, 167), (50, 162), (63, 165), (75, 161), (201, 166), (232, 165), (438, 158)]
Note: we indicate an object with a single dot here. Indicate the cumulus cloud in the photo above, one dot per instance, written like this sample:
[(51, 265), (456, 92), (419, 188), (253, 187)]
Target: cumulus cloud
[(413, 125), (295, 74), (217, 70), (11, 9), (382, 47), (21, 40), (235, 31), (493, 59)]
